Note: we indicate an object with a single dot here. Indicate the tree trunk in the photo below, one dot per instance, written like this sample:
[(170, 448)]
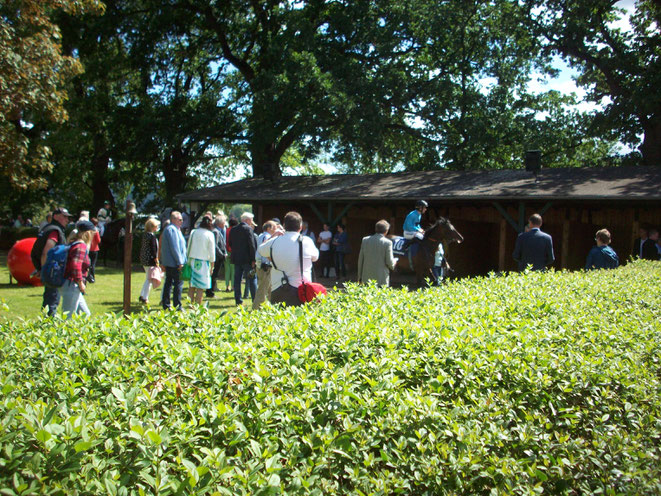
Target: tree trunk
[(265, 161), (175, 166), (100, 187), (651, 147)]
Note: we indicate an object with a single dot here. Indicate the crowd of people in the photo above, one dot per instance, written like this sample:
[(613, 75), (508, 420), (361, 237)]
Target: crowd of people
[(272, 264), (236, 245)]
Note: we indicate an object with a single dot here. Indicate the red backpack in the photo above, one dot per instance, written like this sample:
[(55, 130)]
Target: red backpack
[(307, 291)]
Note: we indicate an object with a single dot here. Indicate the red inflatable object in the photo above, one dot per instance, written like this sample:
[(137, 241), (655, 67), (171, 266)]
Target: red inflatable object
[(20, 264)]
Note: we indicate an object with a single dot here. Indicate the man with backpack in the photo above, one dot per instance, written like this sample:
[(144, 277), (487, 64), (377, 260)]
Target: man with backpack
[(50, 236)]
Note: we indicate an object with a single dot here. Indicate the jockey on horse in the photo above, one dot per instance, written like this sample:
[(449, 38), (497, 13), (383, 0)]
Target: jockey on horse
[(413, 233)]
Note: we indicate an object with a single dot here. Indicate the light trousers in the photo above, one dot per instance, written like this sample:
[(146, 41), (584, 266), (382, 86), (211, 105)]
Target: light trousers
[(73, 301)]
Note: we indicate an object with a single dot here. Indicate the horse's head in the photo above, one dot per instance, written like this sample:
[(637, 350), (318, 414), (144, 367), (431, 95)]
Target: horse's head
[(443, 230)]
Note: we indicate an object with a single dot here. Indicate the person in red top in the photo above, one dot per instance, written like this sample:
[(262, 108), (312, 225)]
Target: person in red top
[(75, 272), (94, 249)]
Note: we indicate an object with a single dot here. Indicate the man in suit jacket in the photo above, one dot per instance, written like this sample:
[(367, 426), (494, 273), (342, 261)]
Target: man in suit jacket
[(534, 247), (243, 245), (649, 250), (173, 257), (639, 241), (376, 260)]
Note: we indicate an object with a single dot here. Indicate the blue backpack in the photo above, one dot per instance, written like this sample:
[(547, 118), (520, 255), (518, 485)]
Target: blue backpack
[(52, 272)]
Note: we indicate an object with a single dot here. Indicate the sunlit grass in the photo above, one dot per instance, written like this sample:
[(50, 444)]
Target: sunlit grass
[(106, 295)]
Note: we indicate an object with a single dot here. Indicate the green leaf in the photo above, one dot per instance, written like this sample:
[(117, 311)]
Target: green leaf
[(154, 436), (82, 446), (43, 436)]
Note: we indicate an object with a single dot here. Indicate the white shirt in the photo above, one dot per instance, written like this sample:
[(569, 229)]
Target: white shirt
[(202, 245), (262, 238), (325, 236), (285, 253)]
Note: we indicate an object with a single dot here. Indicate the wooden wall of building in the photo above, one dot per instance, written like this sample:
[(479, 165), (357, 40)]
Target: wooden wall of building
[(488, 238)]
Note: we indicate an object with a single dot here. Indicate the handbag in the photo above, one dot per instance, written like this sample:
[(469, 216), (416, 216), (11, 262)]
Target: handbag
[(308, 291), (155, 276), (186, 272)]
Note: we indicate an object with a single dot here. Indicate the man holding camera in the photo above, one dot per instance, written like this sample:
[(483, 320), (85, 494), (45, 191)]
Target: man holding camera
[(263, 267)]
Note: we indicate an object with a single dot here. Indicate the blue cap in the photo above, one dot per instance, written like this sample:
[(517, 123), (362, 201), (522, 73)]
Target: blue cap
[(84, 225)]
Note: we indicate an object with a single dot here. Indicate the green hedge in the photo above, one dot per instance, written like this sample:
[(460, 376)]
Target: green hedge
[(9, 235), (524, 384)]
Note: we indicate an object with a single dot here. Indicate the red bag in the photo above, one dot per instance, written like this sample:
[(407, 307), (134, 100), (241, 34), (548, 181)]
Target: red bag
[(308, 291)]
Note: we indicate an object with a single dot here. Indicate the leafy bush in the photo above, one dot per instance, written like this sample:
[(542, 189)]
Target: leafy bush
[(525, 384), (9, 235)]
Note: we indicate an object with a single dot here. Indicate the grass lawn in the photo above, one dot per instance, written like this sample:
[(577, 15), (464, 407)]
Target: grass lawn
[(106, 295)]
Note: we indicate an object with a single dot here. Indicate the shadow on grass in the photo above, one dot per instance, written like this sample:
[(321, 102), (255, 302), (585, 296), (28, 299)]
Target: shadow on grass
[(19, 286)]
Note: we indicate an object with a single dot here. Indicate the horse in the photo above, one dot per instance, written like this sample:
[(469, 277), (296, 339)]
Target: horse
[(422, 255)]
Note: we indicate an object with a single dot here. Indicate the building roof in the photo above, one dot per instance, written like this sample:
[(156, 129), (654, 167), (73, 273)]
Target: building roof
[(639, 183)]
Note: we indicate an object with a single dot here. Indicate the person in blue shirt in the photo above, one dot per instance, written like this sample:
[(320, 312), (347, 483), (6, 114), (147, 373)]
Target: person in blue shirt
[(173, 258), (602, 256), (413, 232)]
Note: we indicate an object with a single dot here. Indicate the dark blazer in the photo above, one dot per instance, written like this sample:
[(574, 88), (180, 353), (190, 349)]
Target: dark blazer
[(649, 250), (534, 248), (219, 235), (243, 245)]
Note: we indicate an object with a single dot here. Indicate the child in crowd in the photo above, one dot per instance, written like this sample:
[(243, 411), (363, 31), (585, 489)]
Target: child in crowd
[(437, 269)]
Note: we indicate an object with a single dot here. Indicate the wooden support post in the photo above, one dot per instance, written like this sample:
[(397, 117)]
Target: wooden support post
[(501, 245), (260, 215), (338, 219), (522, 217), (634, 237), (506, 216), (564, 255), (318, 213), (545, 208), (128, 251)]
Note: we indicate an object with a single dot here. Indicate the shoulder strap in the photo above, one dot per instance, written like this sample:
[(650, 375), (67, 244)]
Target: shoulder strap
[(300, 255), (53, 227), (284, 276)]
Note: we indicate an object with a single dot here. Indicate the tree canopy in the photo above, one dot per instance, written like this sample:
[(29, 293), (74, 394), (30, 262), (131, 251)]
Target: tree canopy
[(620, 66), (33, 77), (176, 92)]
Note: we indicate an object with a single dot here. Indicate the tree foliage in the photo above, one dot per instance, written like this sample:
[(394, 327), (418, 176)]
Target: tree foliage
[(620, 67), (414, 84), (33, 74), (181, 92)]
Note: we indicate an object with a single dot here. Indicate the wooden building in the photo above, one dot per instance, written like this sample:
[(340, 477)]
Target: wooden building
[(488, 207)]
